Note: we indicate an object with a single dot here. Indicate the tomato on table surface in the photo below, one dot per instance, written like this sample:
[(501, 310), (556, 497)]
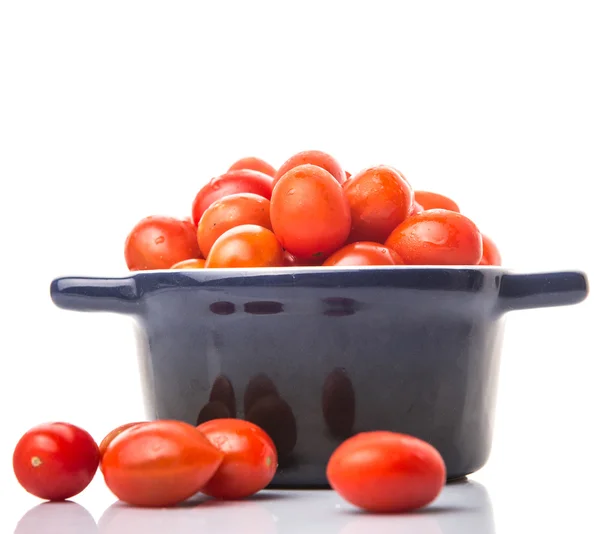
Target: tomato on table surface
[(380, 199), (363, 253), (247, 245), (158, 242), (491, 254), (313, 157), (253, 164), (230, 183), (434, 201), (386, 472), (309, 212), (437, 237), (108, 439), (250, 459), (55, 461), (190, 264), (229, 212), (160, 463)]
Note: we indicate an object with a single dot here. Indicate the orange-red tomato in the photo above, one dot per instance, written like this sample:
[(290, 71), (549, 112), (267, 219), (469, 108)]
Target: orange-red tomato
[(247, 245), (386, 472), (161, 463), (289, 260), (253, 164), (363, 253), (229, 212), (380, 199), (416, 208), (435, 201), (55, 461), (159, 242), (190, 264), (348, 175), (250, 459), (230, 183), (309, 212), (437, 237), (491, 254), (313, 157), (113, 434)]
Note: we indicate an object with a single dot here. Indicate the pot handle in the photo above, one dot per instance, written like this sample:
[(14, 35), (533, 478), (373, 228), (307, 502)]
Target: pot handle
[(118, 295), (541, 290)]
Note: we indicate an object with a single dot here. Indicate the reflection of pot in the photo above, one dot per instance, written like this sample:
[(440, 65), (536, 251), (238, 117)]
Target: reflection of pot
[(64, 517), (338, 402), (258, 387), (276, 418)]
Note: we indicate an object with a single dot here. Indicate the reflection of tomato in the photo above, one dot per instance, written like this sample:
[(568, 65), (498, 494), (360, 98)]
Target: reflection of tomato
[(55, 461), (363, 253), (437, 237), (247, 245), (491, 254), (159, 242), (240, 181), (253, 164), (380, 199), (250, 458), (309, 212), (113, 434), (161, 463), (190, 264), (386, 472), (435, 201), (313, 157), (229, 212)]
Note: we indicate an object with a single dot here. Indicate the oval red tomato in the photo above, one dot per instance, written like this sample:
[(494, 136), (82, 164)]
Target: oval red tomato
[(229, 212), (309, 212), (313, 157), (363, 253), (250, 460), (434, 201), (108, 439), (386, 472), (437, 237), (380, 199), (253, 164), (491, 254), (161, 463), (247, 245), (159, 242), (55, 461), (230, 183)]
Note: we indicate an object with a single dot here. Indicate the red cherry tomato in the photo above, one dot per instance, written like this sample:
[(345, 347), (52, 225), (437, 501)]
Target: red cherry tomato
[(229, 212), (380, 199), (313, 157), (363, 253), (108, 439), (437, 237), (289, 260), (253, 164), (491, 254), (386, 472), (435, 201), (416, 208), (55, 461), (159, 242), (161, 463), (250, 459), (190, 264), (247, 245), (230, 183), (309, 212)]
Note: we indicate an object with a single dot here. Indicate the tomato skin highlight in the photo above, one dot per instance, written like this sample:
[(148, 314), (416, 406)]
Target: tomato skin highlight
[(309, 212), (437, 237), (190, 264), (313, 157), (230, 183), (386, 472), (247, 245), (159, 464), (229, 212), (380, 199), (434, 201), (491, 254), (55, 461), (253, 164), (363, 253), (250, 460)]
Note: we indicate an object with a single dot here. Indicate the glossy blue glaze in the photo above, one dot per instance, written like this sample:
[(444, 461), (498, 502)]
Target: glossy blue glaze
[(314, 355)]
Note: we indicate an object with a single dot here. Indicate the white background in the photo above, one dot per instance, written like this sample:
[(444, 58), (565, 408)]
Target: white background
[(111, 111)]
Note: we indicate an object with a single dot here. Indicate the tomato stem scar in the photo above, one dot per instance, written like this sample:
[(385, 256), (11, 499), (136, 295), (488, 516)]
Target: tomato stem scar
[(35, 461)]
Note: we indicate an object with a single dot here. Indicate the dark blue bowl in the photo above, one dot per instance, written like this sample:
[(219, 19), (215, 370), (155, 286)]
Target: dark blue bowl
[(315, 355)]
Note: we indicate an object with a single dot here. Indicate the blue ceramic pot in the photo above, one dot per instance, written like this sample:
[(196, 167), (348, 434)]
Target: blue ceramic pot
[(315, 355)]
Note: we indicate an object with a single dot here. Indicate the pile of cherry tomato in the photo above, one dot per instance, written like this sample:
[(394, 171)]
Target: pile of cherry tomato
[(164, 463), (310, 212)]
